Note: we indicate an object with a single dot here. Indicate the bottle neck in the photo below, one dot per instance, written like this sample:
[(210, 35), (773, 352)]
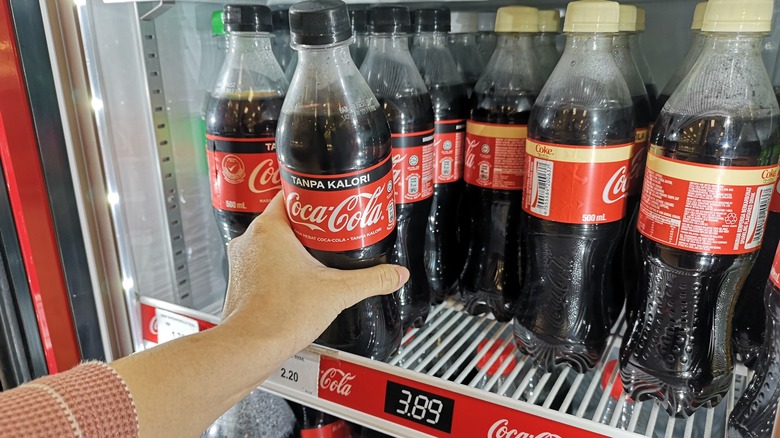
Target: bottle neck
[(324, 57), (589, 44), (386, 42), (743, 47), (248, 42), (463, 38), (428, 40), (515, 41), (547, 38)]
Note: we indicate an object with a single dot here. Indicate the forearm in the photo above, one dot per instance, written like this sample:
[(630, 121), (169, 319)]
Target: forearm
[(226, 364)]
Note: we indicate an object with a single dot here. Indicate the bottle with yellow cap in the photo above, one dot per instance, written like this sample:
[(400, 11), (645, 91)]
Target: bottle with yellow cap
[(580, 138), (639, 57), (710, 173), (463, 46), (546, 41), (688, 61), (494, 163)]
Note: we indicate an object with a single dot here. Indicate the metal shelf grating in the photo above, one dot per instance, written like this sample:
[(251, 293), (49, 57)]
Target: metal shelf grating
[(448, 347)]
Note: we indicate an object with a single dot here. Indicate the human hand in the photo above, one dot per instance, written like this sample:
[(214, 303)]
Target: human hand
[(275, 284)]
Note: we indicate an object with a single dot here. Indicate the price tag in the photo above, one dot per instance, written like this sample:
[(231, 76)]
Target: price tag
[(299, 373), (172, 326)]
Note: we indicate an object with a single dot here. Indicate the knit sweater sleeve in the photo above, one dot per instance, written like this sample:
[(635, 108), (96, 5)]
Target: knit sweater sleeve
[(88, 401)]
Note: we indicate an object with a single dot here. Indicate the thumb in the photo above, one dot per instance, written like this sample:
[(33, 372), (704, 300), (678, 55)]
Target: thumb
[(360, 284)]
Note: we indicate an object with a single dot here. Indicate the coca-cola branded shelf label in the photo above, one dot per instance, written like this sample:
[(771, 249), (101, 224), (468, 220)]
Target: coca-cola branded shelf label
[(576, 184), (495, 155), (151, 327), (774, 204), (340, 212), (705, 208), (448, 139), (244, 173), (299, 373), (638, 157), (413, 161)]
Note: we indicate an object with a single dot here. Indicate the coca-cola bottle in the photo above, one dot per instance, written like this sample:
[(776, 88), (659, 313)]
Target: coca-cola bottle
[(312, 423), (241, 121), (634, 39), (443, 255), (394, 79), (334, 153), (755, 412), (281, 42), (486, 38), (711, 170), (359, 47), (547, 40), (464, 49), (626, 264), (687, 64), (494, 164), (580, 138)]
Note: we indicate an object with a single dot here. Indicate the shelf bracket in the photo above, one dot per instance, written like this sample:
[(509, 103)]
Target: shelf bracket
[(160, 8)]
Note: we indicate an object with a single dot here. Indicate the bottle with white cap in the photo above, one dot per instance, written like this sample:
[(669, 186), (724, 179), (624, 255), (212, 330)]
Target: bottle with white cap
[(639, 57), (494, 164), (626, 262), (486, 38), (685, 67), (710, 172), (580, 138), (463, 46), (547, 40)]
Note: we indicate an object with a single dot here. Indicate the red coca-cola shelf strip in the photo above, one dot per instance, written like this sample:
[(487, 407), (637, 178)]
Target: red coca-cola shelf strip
[(149, 319)]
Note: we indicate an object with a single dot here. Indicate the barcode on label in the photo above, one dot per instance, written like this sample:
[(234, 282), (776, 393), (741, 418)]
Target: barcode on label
[(542, 187), (758, 218)]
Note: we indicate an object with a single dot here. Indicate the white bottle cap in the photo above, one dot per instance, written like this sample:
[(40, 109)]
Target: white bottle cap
[(738, 16), (550, 21), (464, 22), (517, 19), (592, 16), (698, 15), (627, 18), (487, 21), (640, 19)]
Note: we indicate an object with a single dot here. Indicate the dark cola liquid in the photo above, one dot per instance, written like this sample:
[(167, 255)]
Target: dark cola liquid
[(659, 105), (407, 115), (562, 315), (652, 94), (240, 117), (490, 281), (754, 414), (444, 253), (679, 350), (330, 145)]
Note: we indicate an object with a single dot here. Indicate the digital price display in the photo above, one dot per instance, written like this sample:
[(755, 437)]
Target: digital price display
[(419, 406)]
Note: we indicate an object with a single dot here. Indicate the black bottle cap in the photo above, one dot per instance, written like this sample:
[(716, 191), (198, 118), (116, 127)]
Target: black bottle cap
[(389, 19), (319, 22), (247, 18), (358, 19), (281, 19), (432, 20)]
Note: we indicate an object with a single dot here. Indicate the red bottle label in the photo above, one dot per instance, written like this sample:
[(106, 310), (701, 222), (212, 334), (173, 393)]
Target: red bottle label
[(448, 139), (495, 155), (244, 173), (340, 212), (413, 156), (705, 208), (337, 429), (774, 274), (638, 158), (576, 184), (774, 204)]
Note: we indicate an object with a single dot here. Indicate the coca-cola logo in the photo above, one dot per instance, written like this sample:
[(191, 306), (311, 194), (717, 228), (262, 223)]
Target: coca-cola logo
[(637, 161), (233, 169), (501, 429), (361, 210), (470, 155), (769, 174), (544, 150), (338, 381), (397, 160), (615, 190), (265, 177)]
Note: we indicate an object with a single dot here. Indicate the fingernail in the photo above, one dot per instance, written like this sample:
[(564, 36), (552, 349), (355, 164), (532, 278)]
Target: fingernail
[(403, 274)]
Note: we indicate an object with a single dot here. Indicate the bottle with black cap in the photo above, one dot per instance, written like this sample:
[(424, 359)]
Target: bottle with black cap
[(443, 256), (241, 121), (281, 42), (394, 79), (333, 145), (359, 47)]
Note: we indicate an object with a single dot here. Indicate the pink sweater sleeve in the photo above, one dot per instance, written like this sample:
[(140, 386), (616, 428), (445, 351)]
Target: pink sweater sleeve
[(88, 401)]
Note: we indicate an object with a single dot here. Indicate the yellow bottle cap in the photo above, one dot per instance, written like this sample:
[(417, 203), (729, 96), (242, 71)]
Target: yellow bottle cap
[(640, 19), (550, 21), (738, 16), (627, 18), (517, 19), (698, 15), (592, 16)]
